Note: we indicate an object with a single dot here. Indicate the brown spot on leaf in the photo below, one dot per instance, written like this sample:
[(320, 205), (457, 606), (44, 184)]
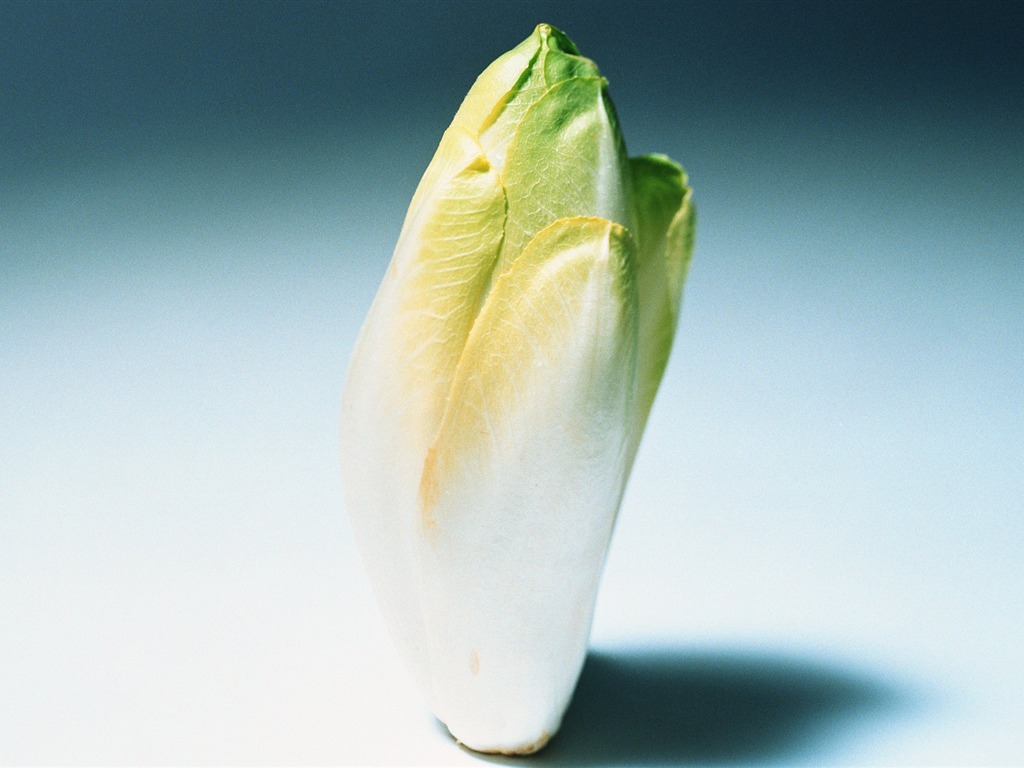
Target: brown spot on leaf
[(528, 749), (428, 488)]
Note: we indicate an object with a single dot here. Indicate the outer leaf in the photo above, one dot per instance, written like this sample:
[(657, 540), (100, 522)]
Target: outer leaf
[(496, 85), (664, 217), (567, 159), (521, 487), (402, 368)]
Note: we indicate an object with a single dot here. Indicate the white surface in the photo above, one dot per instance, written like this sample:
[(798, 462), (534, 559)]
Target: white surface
[(823, 536)]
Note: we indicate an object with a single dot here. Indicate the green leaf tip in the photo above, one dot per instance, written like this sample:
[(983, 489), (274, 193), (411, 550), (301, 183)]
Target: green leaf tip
[(555, 39)]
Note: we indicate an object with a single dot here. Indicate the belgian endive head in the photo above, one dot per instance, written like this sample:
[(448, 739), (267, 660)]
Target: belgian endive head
[(500, 385)]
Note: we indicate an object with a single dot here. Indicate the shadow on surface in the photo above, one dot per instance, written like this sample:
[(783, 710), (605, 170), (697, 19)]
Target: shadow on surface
[(678, 707)]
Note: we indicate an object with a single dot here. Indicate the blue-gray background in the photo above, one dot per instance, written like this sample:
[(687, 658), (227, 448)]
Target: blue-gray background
[(824, 534)]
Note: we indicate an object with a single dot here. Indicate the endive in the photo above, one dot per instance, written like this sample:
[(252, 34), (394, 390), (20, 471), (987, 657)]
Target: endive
[(500, 385)]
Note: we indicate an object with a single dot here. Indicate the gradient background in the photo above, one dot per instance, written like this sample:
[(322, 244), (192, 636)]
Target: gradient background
[(821, 554)]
